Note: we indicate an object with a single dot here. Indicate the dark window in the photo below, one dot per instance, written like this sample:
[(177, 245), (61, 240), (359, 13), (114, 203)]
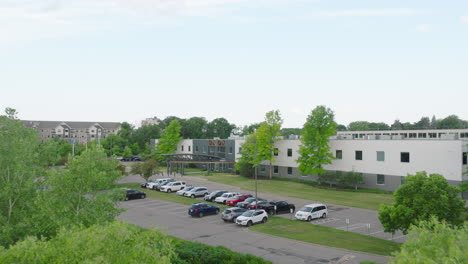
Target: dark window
[(402, 180), (189, 148), (289, 152), (262, 168), (230, 150), (405, 157), (182, 148), (358, 155), (196, 148), (380, 179), (275, 169), (339, 154), (465, 154), (289, 170), (380, 156), (275, 151)]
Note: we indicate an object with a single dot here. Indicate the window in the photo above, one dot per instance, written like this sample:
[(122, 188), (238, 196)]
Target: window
[(289, 170), (189, 148), (230, 150), (204, 149), (380, 179), (358, 155), (421, 135), (196, 148), (262, 168), (182, 148), (405, 157), (339, 154), (464, 158), (380, 156), (289, 152), (402, 180), (412, 135), (275, 169), (275, 151)]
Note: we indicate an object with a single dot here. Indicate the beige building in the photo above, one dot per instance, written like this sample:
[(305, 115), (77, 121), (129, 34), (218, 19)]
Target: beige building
[(81, 132)]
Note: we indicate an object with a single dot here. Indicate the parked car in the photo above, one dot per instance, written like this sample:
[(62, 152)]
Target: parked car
[(134, 194), (135, 158), (268, 207), (238, 198), (251, 217), (186, 189), (222, 199), (152, 185), (232, 213), (201, 209), (197, 191), (143, 185), (162, 184), (246, 202), (213, 195), (283, 207), (312, 211), (173, 186)]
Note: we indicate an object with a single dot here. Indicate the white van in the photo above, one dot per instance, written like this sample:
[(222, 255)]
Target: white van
[(173, 187), (311, 211)]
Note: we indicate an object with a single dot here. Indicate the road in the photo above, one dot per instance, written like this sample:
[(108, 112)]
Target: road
[(173, 219)]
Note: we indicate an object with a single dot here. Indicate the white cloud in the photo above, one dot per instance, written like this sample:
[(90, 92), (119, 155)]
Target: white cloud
[(464, 19), (424, 28), (374, 12)]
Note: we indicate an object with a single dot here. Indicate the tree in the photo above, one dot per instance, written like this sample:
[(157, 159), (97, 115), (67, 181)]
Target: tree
[(329, 177), (286, 132), (169, 139), (351, 179), (125, 131), (314, 151), (396, 125), (115, 242), (434, 242), (249, 157), (127, 153), (421, 197), (424, 123), (219, 127), (451, 122), (194, 128), (341, 128), (76, 196), (19, 180), (114, 145), (433, 122), (267, 135), (144, 134), (247, 130), (149, 168), (358, 126)]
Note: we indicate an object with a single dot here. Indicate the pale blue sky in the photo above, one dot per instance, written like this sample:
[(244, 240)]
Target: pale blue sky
[(122, 60)]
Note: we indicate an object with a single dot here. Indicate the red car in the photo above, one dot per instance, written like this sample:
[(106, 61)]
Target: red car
[(236, 199)]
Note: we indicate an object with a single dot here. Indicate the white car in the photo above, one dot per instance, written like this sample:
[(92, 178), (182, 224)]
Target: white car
[(184, 190), (252, 217), (222, 199), (173, 186), (311, 211), (197, 191), (153, 185)]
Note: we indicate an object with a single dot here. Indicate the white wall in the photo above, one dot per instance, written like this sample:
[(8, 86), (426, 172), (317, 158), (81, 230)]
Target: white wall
[(186, 143)]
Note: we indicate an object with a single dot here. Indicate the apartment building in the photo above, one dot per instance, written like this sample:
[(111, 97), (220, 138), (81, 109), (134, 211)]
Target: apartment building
[(384, 158), (81, 132)]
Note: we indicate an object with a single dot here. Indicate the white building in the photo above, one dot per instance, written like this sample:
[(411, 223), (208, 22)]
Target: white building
[(383, 157)]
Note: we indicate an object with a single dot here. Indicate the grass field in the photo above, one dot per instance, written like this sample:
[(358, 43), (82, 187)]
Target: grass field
[(306, 232), (359, 199), (298, 230)]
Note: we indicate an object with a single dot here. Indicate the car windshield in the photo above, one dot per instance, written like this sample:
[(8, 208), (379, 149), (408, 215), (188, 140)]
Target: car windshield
[(187, 189), (306, 209), (250, 199), (248, 213), (237, 197), (225, 195)]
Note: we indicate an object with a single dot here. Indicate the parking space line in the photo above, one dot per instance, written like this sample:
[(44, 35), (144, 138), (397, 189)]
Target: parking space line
[(381, 231)]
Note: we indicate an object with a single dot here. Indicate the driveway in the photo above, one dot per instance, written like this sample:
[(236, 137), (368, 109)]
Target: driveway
[(173, 219)]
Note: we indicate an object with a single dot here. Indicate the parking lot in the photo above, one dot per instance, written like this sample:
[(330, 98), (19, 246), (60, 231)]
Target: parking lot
[(359, 220), (174, 220)]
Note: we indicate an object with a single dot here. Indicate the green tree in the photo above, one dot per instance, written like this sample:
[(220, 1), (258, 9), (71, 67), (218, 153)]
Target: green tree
[(149, 168), (451, 122), (169, 140), (144, 134), (127, 153), (329, 177), (247, 130), (314, 151), (125, 131), (286, 132), (249, 160), (219, 127), (267, 135), (114, 145), (358, 126), (351, 179), (434, 242), (396, 125), (76, 196), (421, 197), (423, 123), (194, 128), (114, 242), (19, 180)]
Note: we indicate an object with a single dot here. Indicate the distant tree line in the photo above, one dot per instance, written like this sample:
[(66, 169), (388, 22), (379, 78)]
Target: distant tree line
[(450, 122)]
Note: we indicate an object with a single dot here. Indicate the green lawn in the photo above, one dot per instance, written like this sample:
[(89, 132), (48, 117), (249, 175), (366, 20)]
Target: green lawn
[(298, 230), (359, 199), (303, 231)]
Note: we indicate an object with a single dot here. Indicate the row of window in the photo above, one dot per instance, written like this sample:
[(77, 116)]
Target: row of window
[(210, 149), (276, 151), (358, 155)]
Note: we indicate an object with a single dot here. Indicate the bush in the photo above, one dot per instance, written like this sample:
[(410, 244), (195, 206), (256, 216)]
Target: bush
[(246, 170), (197, 253)]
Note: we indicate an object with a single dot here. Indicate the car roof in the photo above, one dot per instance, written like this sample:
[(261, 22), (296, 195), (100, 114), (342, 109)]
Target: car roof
[(314, 205)]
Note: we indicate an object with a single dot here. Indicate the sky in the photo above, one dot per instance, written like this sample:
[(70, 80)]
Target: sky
[(126, 60)]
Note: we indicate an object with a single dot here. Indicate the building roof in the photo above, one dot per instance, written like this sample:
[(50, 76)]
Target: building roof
[(72, 124)]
